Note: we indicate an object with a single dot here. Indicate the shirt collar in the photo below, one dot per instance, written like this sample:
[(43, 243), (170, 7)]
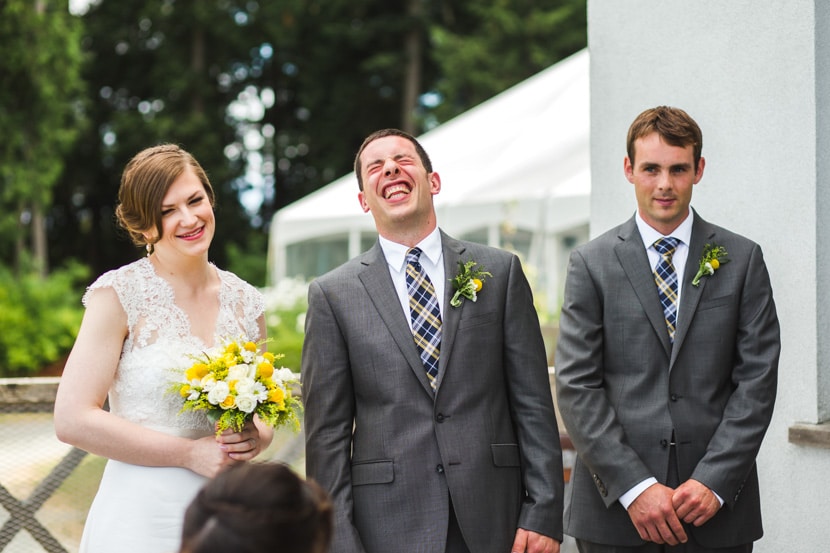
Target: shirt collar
[(396, 253), (649, 235)]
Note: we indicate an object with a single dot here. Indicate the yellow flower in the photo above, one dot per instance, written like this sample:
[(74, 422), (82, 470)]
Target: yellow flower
[(269, 357), (713, 257), (184, 391), (232, 347), (276, 395), (228, 402), (265, 370), (196, 372), (250, 346), (468, 282)]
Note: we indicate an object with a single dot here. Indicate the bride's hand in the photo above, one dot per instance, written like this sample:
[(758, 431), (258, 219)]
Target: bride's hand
[(207, 457), (244, 445)]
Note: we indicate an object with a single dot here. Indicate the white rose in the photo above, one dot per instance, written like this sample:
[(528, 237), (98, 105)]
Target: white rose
[(246, 403), (218, 392), (244, 386), (240, 372)]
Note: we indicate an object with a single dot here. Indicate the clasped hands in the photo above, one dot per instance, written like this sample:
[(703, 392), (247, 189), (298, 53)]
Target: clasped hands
[(533, 542), (658, 511), (211, 454)]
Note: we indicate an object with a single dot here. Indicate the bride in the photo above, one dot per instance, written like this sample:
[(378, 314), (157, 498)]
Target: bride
[(142, 320)]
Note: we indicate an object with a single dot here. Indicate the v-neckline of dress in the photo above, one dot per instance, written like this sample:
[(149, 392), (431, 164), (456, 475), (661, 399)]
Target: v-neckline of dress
[(186, 320)]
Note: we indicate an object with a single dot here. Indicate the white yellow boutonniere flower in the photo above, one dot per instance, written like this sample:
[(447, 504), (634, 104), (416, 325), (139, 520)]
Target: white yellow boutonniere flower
[(713, 257), (468, 282)]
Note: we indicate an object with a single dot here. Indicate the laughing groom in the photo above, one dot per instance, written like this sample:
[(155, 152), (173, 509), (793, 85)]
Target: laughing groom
[(428, 411)]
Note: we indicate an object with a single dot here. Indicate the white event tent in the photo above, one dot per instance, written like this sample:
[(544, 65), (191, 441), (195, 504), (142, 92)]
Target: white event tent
[(515, 173)]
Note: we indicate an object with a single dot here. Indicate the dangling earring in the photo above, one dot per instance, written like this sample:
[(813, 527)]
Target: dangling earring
[(149, 248)]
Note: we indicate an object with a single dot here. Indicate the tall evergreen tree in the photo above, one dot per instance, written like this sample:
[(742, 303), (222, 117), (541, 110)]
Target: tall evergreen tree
[(159, 71), (274, 98), (483, 48), (41, 112)]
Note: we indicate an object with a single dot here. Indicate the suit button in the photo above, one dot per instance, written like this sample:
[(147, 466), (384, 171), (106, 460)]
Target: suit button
[(440, 417), (664, 443), (439, 469), (674, 397)]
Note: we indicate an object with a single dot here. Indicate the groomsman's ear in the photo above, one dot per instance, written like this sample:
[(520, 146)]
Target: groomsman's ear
[(363, 205), (699, 170), (628, 169)]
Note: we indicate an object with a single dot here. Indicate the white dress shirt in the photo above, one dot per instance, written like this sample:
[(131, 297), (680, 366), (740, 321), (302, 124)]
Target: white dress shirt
[(649, 235), (432, 261)]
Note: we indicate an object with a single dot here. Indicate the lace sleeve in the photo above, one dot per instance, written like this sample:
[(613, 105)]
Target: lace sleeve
[(246, 303), (107, 280)]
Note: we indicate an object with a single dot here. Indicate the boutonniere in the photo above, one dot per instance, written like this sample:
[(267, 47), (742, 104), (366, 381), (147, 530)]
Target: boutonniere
[(467, 282), (713, 257)]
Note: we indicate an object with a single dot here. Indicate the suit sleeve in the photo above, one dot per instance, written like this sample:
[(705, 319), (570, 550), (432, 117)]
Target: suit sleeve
[(589, 416), (328, 398), (734, 446), (532, 407)]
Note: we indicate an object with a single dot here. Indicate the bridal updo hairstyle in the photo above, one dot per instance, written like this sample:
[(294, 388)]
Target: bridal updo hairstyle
[(258, 508), (144, 183)]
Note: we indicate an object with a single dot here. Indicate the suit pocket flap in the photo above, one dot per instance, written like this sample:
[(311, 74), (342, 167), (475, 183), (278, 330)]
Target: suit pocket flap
[(715, 302), (505, 455), (478, 320), (373, 472)]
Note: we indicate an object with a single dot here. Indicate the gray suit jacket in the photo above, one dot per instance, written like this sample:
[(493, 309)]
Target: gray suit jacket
[(390, 451), (622, 387)]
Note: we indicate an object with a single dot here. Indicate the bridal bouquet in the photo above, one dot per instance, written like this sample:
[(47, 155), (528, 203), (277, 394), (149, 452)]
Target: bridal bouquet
[(233, 381)]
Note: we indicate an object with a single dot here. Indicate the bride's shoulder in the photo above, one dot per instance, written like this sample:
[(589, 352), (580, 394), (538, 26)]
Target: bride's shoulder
[(231, 279), (238, 285), (122, 278)]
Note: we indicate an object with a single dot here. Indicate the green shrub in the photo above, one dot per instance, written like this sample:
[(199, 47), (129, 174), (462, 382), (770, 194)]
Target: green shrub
[(39, 318), (286, 305)]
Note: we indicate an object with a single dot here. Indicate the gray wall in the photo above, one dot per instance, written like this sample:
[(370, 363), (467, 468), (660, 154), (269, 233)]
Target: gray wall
[(755, 74)]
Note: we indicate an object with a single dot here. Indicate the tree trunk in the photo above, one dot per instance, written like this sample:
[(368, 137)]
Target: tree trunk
[(40, 247), (197, 65), (19, 241), (412, 80)]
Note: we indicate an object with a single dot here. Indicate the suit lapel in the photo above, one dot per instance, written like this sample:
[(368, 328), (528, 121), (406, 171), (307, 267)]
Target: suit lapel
[(702, 233), (381, 290), (634, 260), (450, 316)]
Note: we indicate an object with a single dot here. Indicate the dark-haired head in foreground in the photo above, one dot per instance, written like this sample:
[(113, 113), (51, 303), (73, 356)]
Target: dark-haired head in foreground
[(258, 508)]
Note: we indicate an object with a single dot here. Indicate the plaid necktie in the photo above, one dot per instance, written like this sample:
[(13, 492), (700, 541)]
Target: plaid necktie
[(425, 314), (666, 279)]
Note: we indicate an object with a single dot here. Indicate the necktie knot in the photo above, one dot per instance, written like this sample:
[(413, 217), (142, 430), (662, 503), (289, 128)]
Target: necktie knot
[(413, 255), (666, 246)]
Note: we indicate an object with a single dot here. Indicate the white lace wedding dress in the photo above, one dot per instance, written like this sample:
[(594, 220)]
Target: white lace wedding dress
[(140, 509)]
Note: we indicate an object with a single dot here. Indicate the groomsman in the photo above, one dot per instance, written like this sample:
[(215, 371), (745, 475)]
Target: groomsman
[(666, 364)]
